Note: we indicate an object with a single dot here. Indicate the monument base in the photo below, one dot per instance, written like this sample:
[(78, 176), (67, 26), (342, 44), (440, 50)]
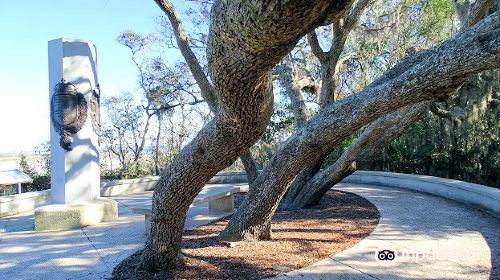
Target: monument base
[(72, 216)]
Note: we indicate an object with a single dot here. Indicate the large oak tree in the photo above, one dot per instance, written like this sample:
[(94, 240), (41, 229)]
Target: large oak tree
[(246, 39)]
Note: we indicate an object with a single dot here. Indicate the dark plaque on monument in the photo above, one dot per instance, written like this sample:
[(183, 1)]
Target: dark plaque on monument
[(68, 112), (95, 110)]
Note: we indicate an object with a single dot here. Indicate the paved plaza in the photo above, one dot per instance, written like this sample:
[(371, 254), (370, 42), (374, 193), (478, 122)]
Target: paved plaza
[(448, 240)]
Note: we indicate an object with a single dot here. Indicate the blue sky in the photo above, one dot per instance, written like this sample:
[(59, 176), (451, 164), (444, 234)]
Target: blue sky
[(27, 26)]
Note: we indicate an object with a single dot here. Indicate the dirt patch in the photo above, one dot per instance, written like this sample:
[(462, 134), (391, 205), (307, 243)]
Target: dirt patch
[(300, 238)]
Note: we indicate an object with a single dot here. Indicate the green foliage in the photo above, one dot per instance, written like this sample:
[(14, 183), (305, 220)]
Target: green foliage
[(467, 150), (109, 174), (436, 18), (41, 180), (23, 164), (137, 169)]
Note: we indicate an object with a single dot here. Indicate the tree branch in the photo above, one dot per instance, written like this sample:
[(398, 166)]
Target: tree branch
[(250, 167), (443, 69), (376, 135), (207, 90), (291, 85), (312, 39), (477, 12), (438, 111), (340, 29), (168, 107), (354, 15)]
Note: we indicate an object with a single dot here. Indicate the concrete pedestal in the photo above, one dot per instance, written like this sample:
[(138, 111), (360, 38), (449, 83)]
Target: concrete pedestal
[(66, 216)]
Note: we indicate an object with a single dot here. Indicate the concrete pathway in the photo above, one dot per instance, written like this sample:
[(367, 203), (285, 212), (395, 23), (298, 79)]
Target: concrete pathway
[(448, 241), (88, 253), (432, 237)]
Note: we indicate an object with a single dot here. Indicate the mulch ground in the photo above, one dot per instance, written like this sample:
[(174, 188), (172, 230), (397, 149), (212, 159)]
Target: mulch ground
[(299, 238)]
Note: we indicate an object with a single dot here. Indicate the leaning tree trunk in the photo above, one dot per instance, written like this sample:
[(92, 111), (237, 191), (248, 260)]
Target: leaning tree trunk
[(393, 126), (303, 194), (432, 74), (301, 181), (250, 167), (375, 136), (157, 144), (246, 40)]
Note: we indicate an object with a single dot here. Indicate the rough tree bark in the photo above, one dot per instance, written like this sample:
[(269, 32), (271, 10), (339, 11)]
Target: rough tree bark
[(375, 136), (250, 167), (290, 81), (206, 88), (433, 74), (157, 146), (469, 13), (246, 40)]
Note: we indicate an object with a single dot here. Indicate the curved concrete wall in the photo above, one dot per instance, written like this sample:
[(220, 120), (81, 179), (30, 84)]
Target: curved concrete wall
[(483, 197), (121, 187), (24, 202), (479, 196)]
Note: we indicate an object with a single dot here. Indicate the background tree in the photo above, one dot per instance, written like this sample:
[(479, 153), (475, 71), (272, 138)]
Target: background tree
[(164, 89), (463, 129)]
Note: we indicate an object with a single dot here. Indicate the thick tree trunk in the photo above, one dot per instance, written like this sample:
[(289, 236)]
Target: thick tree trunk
[(298, 106), (375, 136), (246, 40), (301, 181), (250, 167), (157, 145), (432, 74)]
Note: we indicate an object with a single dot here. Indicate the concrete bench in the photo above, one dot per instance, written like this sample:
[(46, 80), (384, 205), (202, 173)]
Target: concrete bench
[(220, 200)]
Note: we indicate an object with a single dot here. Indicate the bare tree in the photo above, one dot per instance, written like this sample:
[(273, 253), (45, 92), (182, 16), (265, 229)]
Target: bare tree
[(125, 135), (164, 89)]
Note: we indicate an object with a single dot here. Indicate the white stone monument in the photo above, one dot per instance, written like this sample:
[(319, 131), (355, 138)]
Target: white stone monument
[(74, 134)]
